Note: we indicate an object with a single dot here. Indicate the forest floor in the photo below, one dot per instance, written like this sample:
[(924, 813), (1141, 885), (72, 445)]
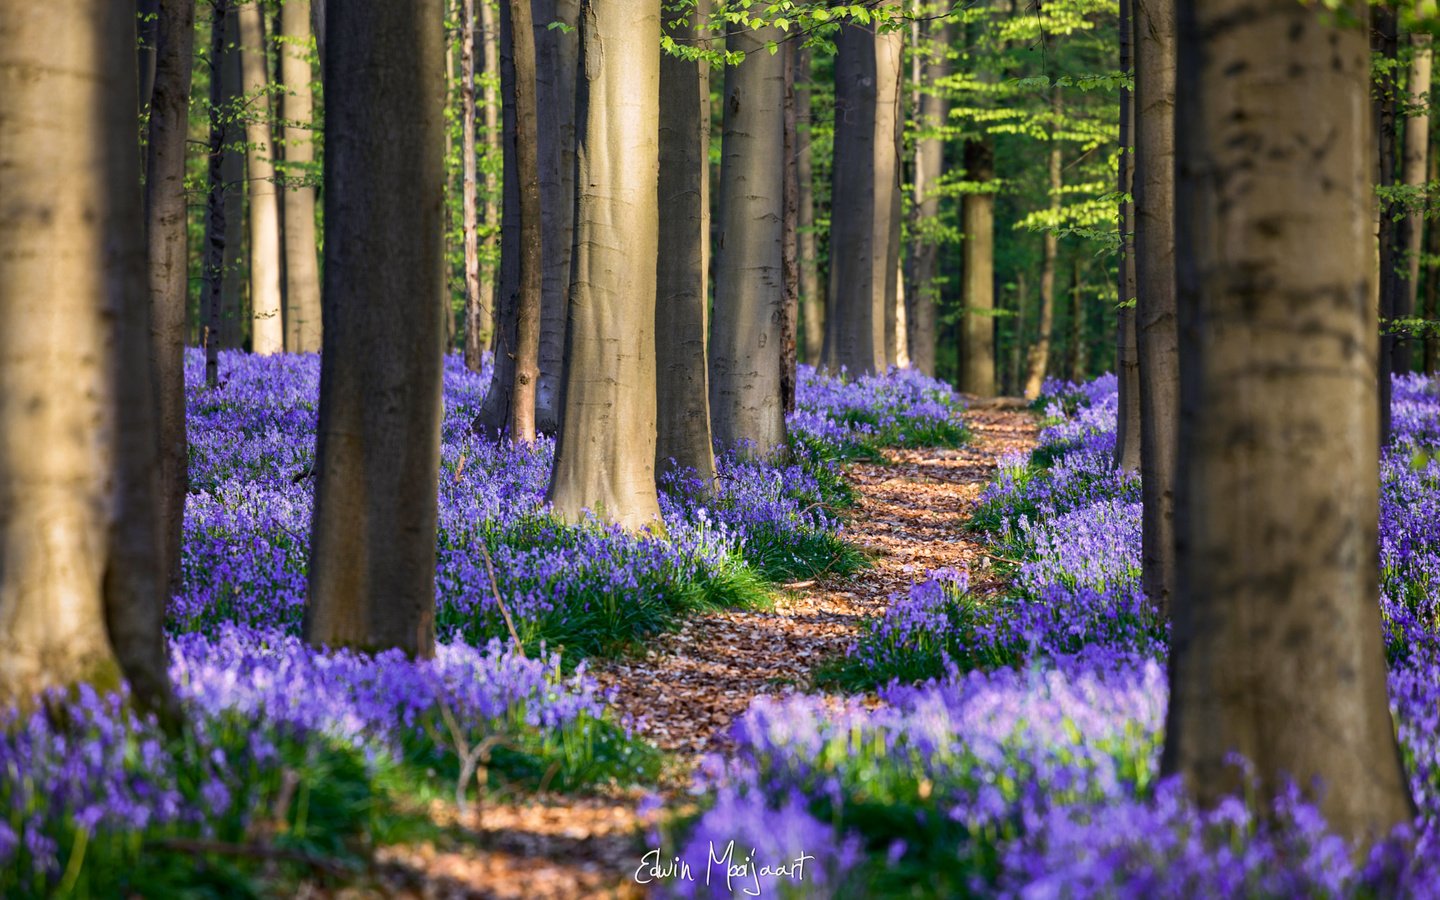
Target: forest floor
[(687, 687)]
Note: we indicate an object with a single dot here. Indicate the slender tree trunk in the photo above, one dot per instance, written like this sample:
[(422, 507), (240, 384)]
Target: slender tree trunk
[(232, 312), (1276, 650), (1417, 149), (683, 264), (1432, 281), (1155, 324), (493, 151), (1075, 355), (81, 586), (1394, 350), (469, 201), (812, 301), (1127, 354), (1039, 361), (789, 242), (217, 210), (745, 401), (165, 226), (302, 270), (1017, 348), (555, 87), (267, 333), (978, 214), (372, 565), (605, 453), (889, 117), (933, 111)]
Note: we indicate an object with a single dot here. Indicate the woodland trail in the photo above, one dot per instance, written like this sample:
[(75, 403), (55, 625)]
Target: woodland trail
[(689, 685)]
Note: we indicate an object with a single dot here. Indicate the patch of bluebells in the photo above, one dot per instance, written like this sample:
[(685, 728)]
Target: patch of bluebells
[(1035, 774), (855, 416)]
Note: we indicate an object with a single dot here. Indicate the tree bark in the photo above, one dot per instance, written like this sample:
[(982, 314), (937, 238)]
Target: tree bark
[(682, 299), (1432, 280), (494, 151), (219, 158), (302, 269), (1394, 351), (889, 119), (745, 403), (789, 240), (475, 312), (605, 453), (933, 112), (81, 585), (372, 567), (1039, 361), (1417, 150), (812, 301), (977, 372), (860, 228), (166, 222), (1127, 354), (1276, 651), (555, 87), (1017, 348), (1155, 323), (232, 314), (267, 333)]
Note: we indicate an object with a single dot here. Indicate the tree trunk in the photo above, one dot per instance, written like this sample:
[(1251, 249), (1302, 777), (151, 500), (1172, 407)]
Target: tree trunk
[(977, 373), (1127, 354), (1417, 149), (1155, 325), (219, 162), (683, 265), (745, 402), (166, 222), (1432, 280), (1276, 651), (860, 232), (267, 333), (232, 315), (889, 119), (1017, 348), (372, 566), (933, 112), (1075, 355), (789, 242), (302, 270), (555, 88), (493, 151), (1394, 351), (81, 586), (1039, 360), (812, 301), (475, 312), (605, 452)]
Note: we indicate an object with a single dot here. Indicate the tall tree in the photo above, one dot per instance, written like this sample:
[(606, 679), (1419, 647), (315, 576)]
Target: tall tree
[(1417, 149), (1155, 323), (889, 122), (267, 333), (475, 311), (218, 214), (863, 175), (605, 453), (977, 211), (302, 270), (1127, 354), (1391, 289), (232, 312), (745, 402), (558, 50), (81, 582), (1039, 361), (1276, 649), (494, 150), (932, 110), (682, 293), (165, 228), (811, 299), (789, 240), (372, 566)]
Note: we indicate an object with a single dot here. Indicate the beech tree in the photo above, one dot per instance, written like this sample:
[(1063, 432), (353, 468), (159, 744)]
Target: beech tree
[(372, 564), (1039, 361), (931, 66), (220, 213), (302, 270), (1276, 647), (1417, 149), (1127, 358), (605, 452), (682, 298), (267, 334), (745, 339), (977, 372), (812, 300), (82, 584)]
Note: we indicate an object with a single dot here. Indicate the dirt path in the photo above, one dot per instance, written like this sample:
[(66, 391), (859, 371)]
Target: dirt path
[(691, 684)]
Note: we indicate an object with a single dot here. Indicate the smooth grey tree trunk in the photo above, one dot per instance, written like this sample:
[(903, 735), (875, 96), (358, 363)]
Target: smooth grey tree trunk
[(746, 407), (933, 111), (1039, 358), (682, 292), (812, 300), (605, 453), (494, 150), (1417, 149), (81, 583), (1127, 355), (475, 312), (889, 119), (220, 163), (267, 334), (789, 240), (302, 268), (977, 210), (558, 52), (1276, 639), (372, 566), (1155, 325), (166, 223)]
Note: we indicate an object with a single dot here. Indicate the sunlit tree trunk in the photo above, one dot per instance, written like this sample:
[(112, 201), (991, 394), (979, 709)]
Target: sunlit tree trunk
[(977, 356), (302, 270), (558, 52), (1155, 328), (1127, 355), (475, 312), (605, 453), (889, 71), (490, 27), (1039, 360), (812, 300), (1276, 650), (372, 565), (933, 111), (166, 222), (682, 293), (745, 402), (1417, 149), (81, 581), (267, 334)]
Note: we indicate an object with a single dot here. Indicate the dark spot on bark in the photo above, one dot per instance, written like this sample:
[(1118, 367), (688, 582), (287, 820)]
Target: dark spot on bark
[(1235, 68)]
